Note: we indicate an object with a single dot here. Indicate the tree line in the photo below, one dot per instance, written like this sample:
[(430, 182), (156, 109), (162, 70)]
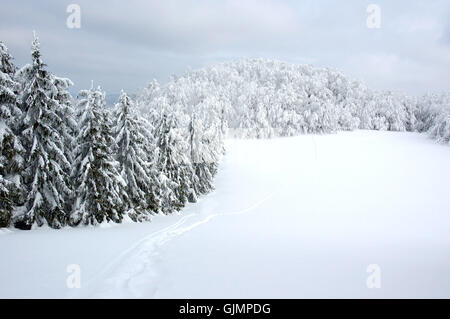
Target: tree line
[(261, 98), (67, 161)]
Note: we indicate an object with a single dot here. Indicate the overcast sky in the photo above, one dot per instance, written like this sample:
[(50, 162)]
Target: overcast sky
[(126, 43)]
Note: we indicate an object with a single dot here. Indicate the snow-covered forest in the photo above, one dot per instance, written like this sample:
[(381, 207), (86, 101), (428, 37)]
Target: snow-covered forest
[(71, 161), (74, 161), (259, 98)]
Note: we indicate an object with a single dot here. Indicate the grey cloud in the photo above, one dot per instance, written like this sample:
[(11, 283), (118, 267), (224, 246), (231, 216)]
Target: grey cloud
[(126, 44)]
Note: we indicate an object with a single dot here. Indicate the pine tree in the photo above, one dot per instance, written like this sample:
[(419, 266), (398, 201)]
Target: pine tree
[(175, 168), (133, 147), (195, 145), (205, 149), (10, 147), (99, 188), (66, 112), (68, 127), (45, 177)]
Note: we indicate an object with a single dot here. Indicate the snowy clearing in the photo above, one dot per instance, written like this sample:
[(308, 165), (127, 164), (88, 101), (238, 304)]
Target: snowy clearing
[(297, 217)]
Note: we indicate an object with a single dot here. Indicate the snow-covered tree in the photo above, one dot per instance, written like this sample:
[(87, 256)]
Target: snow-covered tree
[(10, 147), (133, 154), (441, 127), (206, 146), (433, 114), (146, 96), (44, 175), (173, 164), (100, 191), (66, 112), (270, 97)]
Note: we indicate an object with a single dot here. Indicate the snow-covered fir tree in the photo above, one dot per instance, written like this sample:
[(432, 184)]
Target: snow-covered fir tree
[(205, 137), (10, 147), (68, 127), (66, 112), (173, 165), (100, 191), (44, 176), (134, 150)]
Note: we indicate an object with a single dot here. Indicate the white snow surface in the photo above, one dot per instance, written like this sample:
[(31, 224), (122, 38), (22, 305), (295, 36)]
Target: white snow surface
[(299, 217), (3, 128)]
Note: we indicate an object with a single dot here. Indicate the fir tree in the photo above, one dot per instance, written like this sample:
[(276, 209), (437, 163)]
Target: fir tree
[(133, 147), (66, 112), (68, 127), (99, 188), (10, 147), (194, 145), (174, 167), (204, 152), (45, 177)]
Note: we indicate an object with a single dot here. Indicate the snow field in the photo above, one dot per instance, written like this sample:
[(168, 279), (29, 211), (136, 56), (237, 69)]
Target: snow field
[(290, 217)]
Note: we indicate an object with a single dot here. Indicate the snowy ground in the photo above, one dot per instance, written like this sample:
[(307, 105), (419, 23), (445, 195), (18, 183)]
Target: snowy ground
[(292, 217)]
